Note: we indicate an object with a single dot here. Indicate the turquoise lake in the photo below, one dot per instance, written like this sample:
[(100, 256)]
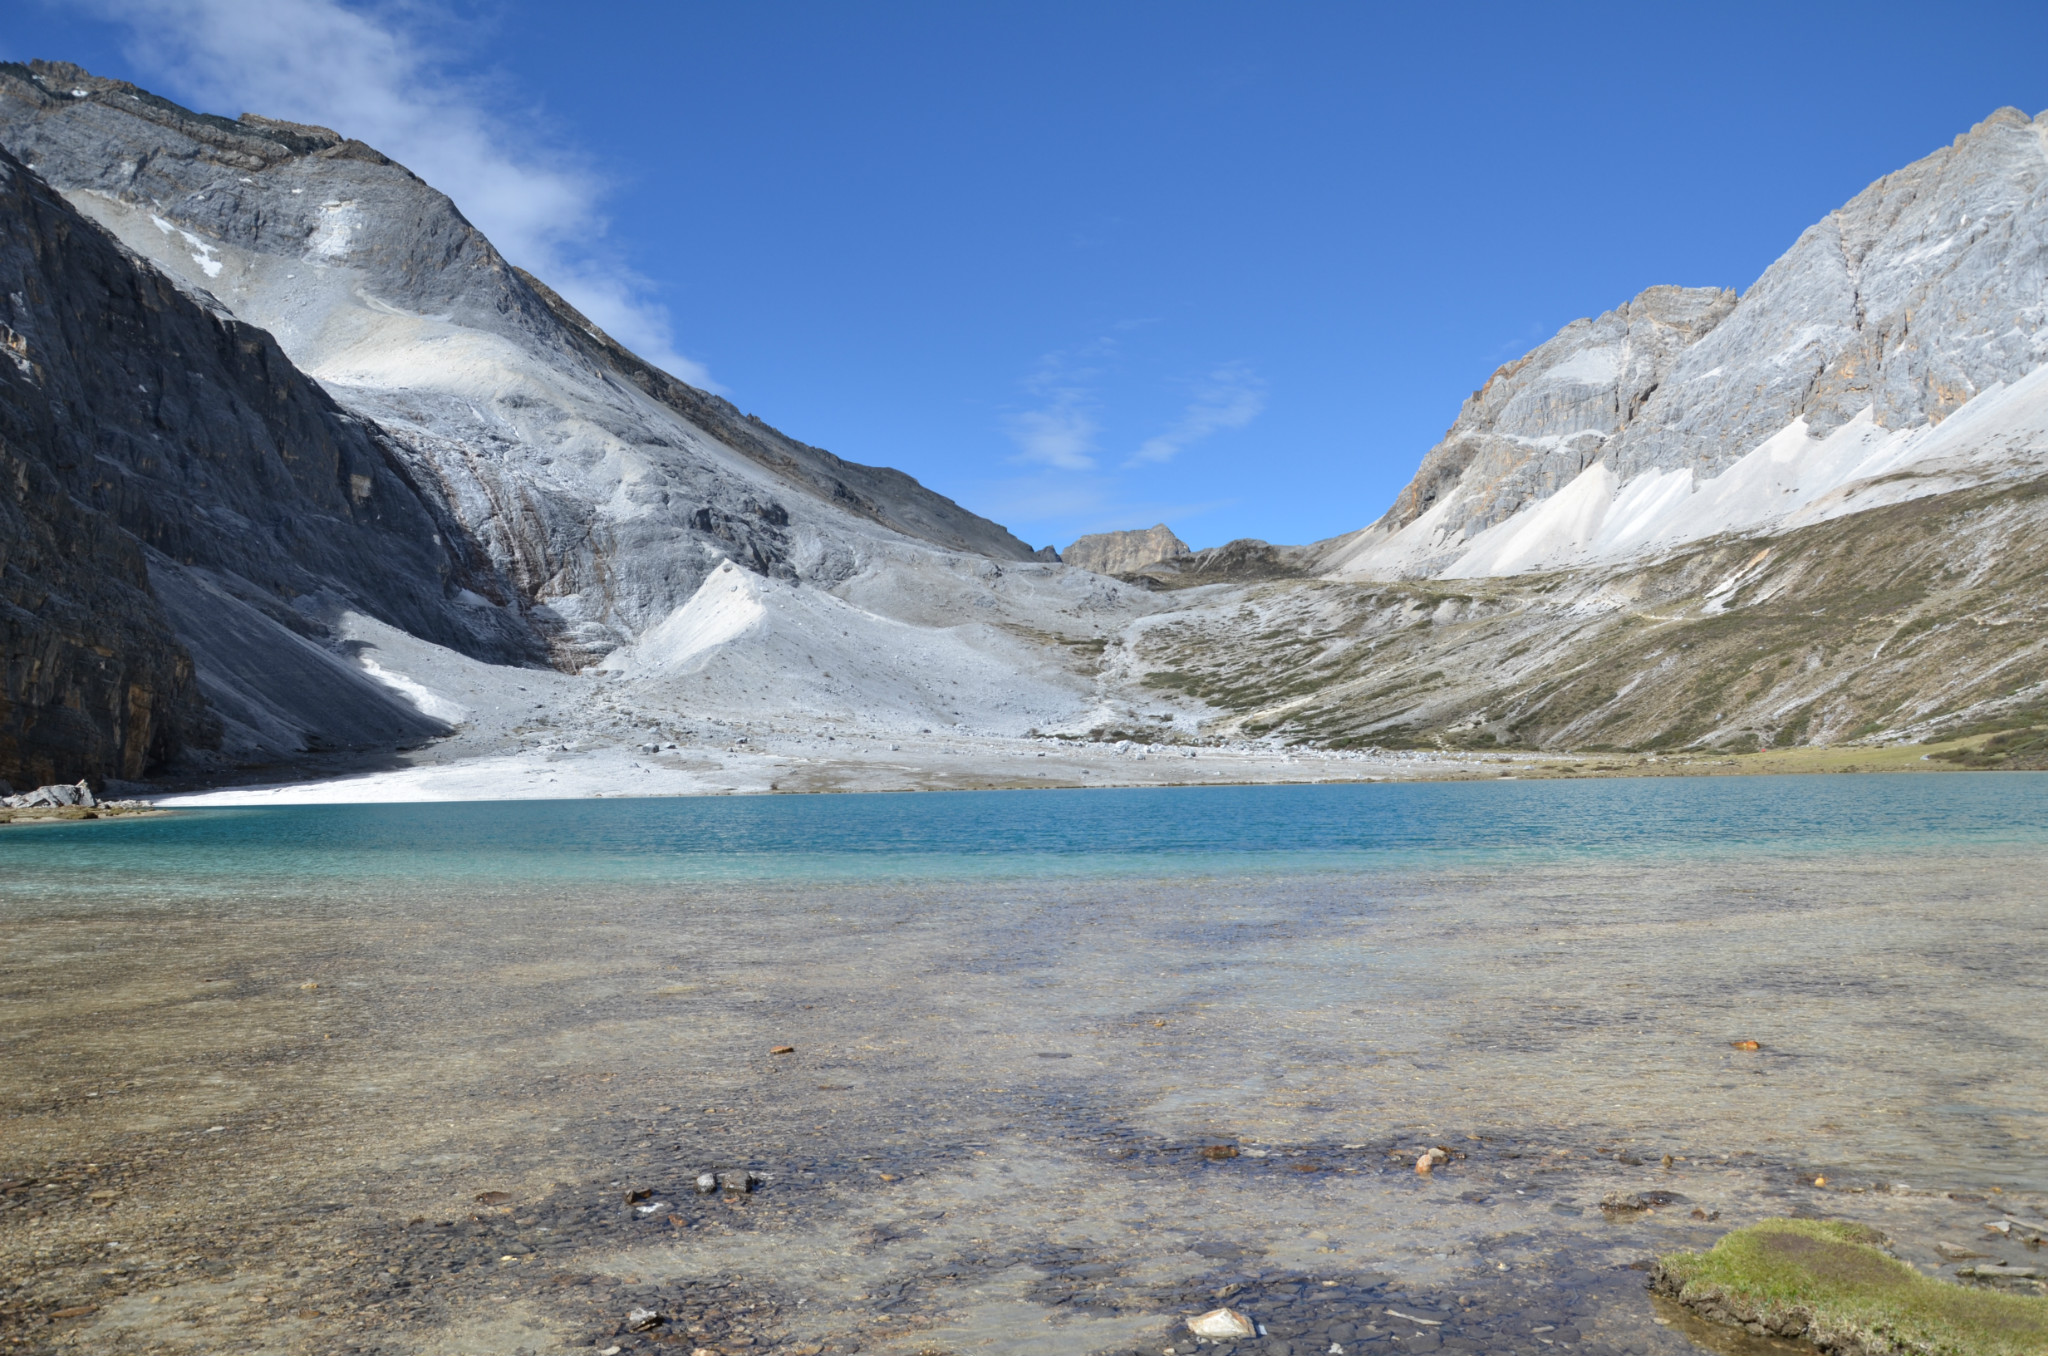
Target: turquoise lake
[(1175, 831)]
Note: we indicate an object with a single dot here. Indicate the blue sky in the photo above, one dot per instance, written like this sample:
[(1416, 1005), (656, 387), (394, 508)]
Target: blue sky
[(1084, 266)]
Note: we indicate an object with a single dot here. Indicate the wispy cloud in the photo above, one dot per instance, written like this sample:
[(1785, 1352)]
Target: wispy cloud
[(1061, 431), (1059, 435), (372, 73), (1230, 397)]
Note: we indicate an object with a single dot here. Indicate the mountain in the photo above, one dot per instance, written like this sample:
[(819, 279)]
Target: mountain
[(182, 493), (1687, 412), (560, 452), (388, 420), (1815, 513), (306, 478), (1124, 552)]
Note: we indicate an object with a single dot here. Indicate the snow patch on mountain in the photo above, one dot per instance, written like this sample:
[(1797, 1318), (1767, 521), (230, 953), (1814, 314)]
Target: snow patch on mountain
[(1792, 478)]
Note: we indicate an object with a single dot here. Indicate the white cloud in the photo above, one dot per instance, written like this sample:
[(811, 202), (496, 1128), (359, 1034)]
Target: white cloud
[(1059, 435), (1231, 398), (1060, 432), (361, 71)]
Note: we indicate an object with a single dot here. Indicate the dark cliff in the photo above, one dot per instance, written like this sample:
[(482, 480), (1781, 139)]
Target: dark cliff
[(142, 432)]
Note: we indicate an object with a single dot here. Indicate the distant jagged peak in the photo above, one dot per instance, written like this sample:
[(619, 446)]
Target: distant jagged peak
[(1124, 552)]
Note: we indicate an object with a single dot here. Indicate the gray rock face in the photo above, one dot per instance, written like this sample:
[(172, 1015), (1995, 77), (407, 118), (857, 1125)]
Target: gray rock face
[(1922, 291), (880, 494), (1240, 561), (602, 489), (148, 434), (1545, 417), (1124, 552), (92, 681)]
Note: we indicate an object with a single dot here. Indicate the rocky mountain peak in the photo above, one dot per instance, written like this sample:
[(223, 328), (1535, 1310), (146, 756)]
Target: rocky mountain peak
[(1538, 421), (248, 142), (603, 486), (1125, 552), (397, 427), (1926, 289)]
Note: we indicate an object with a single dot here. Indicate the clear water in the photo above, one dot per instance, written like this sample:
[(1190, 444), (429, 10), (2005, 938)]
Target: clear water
[(297, 1044), (1006, 834)]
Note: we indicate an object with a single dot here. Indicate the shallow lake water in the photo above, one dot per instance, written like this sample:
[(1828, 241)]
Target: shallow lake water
[(1064, 1067)]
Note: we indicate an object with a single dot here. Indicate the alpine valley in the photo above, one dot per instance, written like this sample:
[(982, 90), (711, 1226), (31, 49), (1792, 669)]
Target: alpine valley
[(308, 487)]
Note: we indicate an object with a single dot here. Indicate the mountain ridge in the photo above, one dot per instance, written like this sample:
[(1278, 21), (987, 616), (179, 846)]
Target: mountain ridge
[(1924, 290), (551, 543), (1660, 530)]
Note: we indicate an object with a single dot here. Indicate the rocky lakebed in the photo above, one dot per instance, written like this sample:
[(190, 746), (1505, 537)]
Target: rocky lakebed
[(455, 1111)]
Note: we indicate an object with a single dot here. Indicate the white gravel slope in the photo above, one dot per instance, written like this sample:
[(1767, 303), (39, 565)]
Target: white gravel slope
[(1789, 480), (757, 685)]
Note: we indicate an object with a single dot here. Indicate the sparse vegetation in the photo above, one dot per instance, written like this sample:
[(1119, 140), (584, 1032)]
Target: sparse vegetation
[(2017, 750), (1834, 1284), (1859, 633)]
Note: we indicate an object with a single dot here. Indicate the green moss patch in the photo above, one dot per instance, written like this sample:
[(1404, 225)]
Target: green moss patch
[(1834, 1285)]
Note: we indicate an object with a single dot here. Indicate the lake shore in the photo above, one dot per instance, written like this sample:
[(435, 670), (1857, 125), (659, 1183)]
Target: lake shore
[(770, 764)]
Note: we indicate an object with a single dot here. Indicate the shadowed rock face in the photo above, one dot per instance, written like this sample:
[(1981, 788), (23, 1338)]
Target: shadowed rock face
[(92, 683), (91, 680), (1124, 552), (140, 427)]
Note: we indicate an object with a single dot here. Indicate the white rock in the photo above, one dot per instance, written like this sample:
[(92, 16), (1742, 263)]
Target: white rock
[(1224, 1322)]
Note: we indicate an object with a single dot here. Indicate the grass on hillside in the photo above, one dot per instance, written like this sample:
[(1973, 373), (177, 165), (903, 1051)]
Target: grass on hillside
[(2019, 749), (1839, 1281)]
